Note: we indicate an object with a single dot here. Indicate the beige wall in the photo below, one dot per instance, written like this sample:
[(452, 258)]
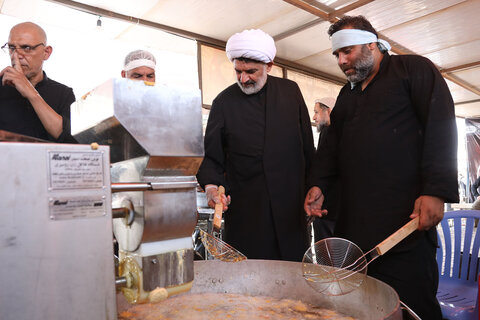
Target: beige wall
[(218, 73)]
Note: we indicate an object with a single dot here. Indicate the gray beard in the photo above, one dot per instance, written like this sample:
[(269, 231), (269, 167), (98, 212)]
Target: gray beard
[(320, 127), (253, 88), (363, 67)]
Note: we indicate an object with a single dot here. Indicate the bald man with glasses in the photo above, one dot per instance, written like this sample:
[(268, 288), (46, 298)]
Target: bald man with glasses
[(30, 103)]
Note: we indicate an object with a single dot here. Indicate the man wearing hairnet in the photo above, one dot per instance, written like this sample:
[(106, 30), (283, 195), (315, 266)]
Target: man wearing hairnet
[(139, 65), (258, 144)]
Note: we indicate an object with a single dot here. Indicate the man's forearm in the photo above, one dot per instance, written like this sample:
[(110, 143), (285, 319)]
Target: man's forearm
[(51, 121)]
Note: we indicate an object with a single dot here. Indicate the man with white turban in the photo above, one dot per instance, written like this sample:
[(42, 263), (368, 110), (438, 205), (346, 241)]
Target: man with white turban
[(392, 145), (259, 144), (139, 65), (322, 109), (323, 228)]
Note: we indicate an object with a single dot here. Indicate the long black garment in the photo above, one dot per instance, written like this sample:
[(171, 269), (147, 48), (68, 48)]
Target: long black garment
[(260, 147), (324, 227), (17, 114), (387, 145)]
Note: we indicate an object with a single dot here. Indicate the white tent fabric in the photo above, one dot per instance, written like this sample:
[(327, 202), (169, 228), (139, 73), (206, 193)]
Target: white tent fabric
[(444, 31)]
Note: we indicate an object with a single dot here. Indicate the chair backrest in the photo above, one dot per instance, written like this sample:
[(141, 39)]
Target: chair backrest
[(464, 265)]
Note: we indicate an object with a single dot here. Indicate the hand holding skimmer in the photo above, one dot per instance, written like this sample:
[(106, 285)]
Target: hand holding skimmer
[(337, 266), (214, 245)]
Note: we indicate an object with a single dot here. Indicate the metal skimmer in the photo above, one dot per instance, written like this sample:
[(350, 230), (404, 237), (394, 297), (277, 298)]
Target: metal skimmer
[(337, 266), (219, 249)]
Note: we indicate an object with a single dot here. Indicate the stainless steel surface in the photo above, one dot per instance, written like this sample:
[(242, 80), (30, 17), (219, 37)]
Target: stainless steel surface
[(124, 210), (63, 268), (155, 134), (136, 119), (169, 213), (122, 187), (192, 183), (121, 282), (118, 213), (159, 215), (178, 265), (282, 279)]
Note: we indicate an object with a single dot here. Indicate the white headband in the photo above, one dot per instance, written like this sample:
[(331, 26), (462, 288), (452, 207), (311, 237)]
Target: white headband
[(139, 63), (350, 37)]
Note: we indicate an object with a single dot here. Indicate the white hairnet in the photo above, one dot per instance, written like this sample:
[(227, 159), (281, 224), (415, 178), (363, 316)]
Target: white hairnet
[(139, 58)]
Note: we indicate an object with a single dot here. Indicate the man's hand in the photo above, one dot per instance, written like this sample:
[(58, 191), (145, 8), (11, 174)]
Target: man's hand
[(313, 203), (430, 210), (13, 76), (211, 192)]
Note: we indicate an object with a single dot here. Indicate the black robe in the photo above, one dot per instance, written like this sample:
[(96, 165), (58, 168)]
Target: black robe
[(389, 144), (260, 147)]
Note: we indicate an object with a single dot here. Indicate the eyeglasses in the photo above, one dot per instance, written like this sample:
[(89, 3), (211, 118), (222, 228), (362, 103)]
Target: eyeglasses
[(24, 49)]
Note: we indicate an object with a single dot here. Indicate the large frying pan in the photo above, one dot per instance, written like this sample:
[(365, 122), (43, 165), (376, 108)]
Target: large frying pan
[(281, 279)]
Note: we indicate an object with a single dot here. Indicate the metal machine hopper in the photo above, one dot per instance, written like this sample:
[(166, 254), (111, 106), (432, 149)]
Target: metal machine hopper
[(156, 147)]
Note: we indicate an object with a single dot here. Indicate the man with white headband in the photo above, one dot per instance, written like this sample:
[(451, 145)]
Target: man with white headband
[(392, 145), (258, 145), (32, 104), (139, 65)]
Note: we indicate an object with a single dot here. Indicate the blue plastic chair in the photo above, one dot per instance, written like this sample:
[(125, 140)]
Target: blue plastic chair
[(458, 292)]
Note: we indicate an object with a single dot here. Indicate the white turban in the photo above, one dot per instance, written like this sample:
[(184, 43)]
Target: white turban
[(251, 44), (328, 102), (350, 37)]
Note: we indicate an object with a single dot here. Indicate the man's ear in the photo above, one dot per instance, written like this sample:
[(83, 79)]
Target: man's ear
[(47, 51), (269, 66), (372, 46), (124, 74)]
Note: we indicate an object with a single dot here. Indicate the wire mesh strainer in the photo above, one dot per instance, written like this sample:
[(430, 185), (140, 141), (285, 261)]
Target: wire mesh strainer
[(337, 266), (220, 250), (329, 255)]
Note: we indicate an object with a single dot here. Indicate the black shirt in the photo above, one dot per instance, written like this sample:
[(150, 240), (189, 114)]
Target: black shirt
[(387, 145), (17, 114)]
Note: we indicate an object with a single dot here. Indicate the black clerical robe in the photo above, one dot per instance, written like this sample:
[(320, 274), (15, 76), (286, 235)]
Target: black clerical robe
[(260, 147)]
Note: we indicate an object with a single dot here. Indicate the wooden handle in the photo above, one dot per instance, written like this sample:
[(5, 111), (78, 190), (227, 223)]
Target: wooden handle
[(398, 236), (217, 216)]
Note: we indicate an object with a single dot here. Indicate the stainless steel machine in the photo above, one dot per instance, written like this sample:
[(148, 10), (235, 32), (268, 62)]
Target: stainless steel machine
[(55, 231), (156, 147), (140, 148)]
